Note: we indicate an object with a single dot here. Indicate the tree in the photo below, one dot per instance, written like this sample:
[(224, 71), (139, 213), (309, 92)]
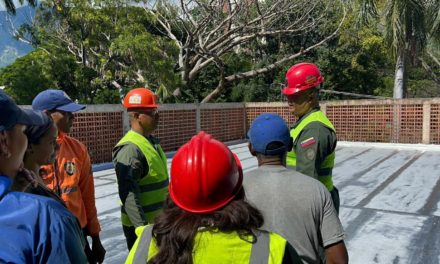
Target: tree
[(109, 40), (407, 27), (26, 77), (207, 32)]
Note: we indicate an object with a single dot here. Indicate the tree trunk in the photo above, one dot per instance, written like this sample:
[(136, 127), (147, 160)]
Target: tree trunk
[(120, 90), (399, 80)]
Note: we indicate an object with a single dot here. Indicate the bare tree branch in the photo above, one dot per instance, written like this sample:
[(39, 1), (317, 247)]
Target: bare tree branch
[(215, 28)]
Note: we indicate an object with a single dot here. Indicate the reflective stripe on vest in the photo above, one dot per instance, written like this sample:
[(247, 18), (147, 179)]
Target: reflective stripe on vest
[(154, 186), (260, 250), (326, 168)]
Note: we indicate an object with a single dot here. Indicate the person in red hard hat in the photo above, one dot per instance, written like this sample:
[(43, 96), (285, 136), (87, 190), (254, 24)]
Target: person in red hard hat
[(206, 218), (140, 165), (314, 136)]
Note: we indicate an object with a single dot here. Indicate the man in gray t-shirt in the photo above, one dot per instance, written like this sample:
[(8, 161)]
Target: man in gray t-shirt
[(294, 205)]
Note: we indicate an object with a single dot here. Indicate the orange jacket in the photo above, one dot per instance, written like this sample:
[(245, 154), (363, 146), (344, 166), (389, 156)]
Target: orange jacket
[(73, 181)]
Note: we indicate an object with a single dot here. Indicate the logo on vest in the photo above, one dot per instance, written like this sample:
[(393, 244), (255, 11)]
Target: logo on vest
[(70, 168), (310, 154)]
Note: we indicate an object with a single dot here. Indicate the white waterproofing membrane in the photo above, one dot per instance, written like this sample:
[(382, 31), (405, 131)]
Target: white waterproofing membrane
[(390, 202)]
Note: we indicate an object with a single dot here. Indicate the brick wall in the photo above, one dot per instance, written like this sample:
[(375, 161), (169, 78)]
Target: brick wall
[(255, 109), (99, 131), (224, 121), (435, 124), (176, 126), (397, 121), (411, 124), (370, 123)]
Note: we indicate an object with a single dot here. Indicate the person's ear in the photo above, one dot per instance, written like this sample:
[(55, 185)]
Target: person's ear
[(252, 150), (290, 146), (4, 150)]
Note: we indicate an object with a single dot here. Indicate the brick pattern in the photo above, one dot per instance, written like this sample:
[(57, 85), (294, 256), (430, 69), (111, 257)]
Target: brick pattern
[(411, 124), (371, 123), (176, 127), (386, 122), (435, 124), (225, 124), (283, 111), (99, 132)]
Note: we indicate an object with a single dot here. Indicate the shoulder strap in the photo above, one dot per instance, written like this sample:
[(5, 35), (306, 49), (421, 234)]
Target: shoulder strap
[(141, 253), (260, 249)]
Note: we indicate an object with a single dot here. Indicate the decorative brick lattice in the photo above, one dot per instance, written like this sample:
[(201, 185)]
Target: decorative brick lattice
[(371, 123), (411, 124), (364, 120), (176, 127), (225, 124), (435, 124), (100, 132), (253, 111)]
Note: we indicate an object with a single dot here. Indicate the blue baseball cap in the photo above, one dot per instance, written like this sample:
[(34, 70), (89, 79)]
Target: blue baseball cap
[(52, 99), (11, 114), (268, 128)]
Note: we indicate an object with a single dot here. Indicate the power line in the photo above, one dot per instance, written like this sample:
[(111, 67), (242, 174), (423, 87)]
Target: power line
[(354, 94)]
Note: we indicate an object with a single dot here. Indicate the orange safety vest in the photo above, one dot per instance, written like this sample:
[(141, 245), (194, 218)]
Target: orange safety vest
[(72, 179)]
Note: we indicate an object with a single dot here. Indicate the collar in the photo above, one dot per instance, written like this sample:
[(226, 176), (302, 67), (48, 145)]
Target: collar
[(152, 139), (61, 137), (5, 184), (314, 109)]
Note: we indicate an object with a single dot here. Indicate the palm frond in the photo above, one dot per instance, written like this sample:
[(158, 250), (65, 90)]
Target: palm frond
[(405, 26), (367, 11)]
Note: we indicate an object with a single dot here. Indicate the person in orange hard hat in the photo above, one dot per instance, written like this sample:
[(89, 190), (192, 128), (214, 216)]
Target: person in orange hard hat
[(314, 136), (206, 218), (71, 175), (140, 165)]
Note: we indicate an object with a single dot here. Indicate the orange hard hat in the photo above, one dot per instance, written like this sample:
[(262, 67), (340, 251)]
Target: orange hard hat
[(140, 98), (302, 76), (205, 175)]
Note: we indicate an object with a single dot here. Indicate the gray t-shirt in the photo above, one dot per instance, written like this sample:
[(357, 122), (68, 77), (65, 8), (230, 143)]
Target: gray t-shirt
[(295, 206)]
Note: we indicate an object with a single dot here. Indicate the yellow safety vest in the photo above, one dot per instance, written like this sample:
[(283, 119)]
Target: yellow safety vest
[(216, 247), (154, 186), (326, 168)]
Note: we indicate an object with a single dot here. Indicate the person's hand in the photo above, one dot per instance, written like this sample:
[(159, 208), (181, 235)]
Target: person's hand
[(97, 249), (23, 180)]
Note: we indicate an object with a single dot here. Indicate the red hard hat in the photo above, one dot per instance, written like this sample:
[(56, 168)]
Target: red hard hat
[(302, 76), (139, 98), (205, 175)]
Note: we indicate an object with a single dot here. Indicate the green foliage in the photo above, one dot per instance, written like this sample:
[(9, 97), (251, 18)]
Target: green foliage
[(420, 85), (111, 44), (90, 50), (358, 63), (26, 77)]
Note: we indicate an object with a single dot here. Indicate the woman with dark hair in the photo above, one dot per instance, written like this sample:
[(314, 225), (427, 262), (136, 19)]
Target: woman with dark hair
[(33, 229), (206, 218), (41, 150)]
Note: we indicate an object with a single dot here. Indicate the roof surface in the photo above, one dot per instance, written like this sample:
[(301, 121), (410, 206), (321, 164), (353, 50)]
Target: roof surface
[(390, 202)]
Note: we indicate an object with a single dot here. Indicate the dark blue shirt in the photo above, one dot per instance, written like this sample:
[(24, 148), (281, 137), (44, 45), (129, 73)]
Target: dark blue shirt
[(36, 229)]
